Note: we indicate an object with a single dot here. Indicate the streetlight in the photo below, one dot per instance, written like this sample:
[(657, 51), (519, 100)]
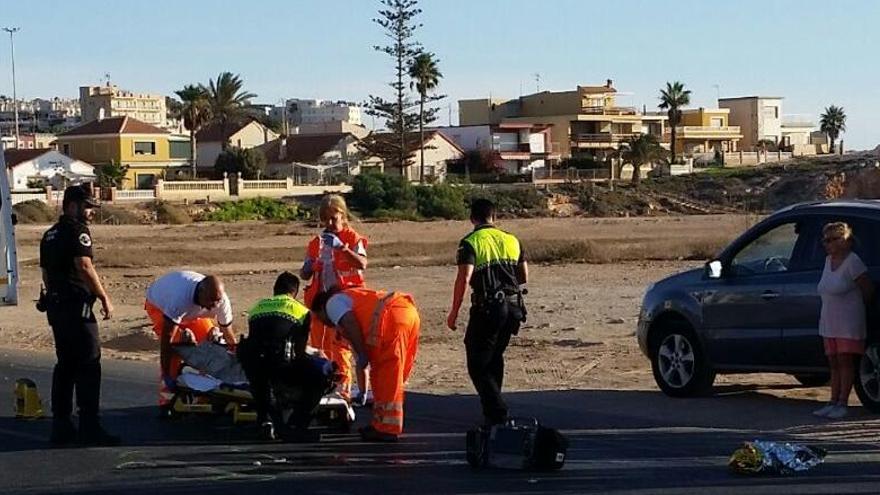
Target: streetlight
[(12, 31)]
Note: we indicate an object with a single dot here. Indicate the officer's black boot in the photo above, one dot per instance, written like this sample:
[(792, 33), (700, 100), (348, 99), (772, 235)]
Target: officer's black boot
[(63, 431), (91, 433)]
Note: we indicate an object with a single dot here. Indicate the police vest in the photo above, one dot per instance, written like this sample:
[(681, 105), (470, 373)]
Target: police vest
[(496, 256), (283, 306)]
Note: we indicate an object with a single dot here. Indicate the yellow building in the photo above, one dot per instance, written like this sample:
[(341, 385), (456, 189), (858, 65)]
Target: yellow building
[(147, 150), (585, 122), (705, 130)]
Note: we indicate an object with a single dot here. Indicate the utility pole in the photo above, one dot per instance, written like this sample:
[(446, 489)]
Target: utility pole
[(537, 82), (12, 31)]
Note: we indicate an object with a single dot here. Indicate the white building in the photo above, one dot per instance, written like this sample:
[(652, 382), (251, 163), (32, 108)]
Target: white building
[(46, 167), (518, 147), (311, 112), (244, 135), (759, 118)]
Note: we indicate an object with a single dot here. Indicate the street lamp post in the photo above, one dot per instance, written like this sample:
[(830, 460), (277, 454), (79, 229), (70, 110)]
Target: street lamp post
[(12, 31)]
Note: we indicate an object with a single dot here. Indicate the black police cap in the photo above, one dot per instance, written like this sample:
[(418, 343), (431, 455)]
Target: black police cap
[(80, 194)]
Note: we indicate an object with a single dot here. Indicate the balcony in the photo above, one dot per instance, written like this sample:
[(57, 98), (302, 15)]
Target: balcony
[(708, 132), (608, 110), (599, 140)]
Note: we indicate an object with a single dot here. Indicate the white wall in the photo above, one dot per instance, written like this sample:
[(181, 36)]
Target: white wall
[(48, 165), (469, 138)]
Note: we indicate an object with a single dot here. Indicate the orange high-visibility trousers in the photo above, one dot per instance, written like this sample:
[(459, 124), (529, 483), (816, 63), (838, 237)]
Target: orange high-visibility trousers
[(327, 340), (200, 329), (391, 362)]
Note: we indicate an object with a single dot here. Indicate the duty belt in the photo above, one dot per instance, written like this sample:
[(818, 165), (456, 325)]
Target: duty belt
[(511, 295)]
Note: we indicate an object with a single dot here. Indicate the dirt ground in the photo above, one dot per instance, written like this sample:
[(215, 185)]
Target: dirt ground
[(582, 316)]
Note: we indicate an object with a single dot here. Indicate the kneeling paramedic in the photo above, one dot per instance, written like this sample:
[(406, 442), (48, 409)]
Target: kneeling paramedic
[(275, 349), (383, 329), (493, 263), (185, 308)]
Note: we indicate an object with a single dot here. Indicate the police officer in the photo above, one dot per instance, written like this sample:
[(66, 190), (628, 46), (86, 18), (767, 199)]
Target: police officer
[(274, 352), (493, 263), (72, 287)]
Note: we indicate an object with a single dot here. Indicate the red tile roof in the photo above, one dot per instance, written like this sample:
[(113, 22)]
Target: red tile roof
[(214, 132), (302, 148), (114, 125), (13, 156)]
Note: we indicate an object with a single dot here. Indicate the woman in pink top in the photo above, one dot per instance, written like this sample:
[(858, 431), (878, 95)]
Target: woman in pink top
[(844, 289)]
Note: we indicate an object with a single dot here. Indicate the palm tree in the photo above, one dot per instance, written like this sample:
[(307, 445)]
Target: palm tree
[(832, 122), (640, 150), (425, 77), (227, 100), (196, 112), (672, 99)]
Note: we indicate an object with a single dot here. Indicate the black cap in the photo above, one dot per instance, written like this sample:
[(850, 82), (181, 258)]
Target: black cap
[(80, 194)]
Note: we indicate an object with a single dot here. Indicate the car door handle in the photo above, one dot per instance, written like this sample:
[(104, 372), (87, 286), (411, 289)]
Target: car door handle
[(768, 295)]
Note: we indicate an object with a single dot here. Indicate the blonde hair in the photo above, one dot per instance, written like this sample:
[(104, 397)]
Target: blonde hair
[(332, 203), (839, 228)]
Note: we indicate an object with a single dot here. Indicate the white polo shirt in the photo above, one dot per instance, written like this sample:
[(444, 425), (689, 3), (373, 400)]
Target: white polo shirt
[(174, 293)]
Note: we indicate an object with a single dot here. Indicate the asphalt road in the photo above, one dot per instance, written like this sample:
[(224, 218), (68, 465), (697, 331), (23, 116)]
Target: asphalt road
[(621, 442)]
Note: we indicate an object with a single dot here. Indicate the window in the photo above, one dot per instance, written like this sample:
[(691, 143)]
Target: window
[(145, 181), (179, 150), (144, 148), (771, 252), (717, 122), (866, 241)]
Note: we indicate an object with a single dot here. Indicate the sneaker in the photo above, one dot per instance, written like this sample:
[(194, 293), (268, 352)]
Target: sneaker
[(63, 432), (824, 410), (370, 434), (92, 434), (839, 411), (267, 431)]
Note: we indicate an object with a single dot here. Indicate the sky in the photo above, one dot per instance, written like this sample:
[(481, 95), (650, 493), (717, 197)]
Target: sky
[(813, 53)]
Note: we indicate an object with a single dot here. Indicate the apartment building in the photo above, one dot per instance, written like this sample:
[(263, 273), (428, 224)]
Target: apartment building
[(110, 101), (311, 112), (585, 122), (758, 117), (518, 147)]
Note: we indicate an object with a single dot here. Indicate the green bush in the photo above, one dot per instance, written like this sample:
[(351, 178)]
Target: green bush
[(374, 191), (512, 201), (442, 201), (171, 214), (34, 211), (257, 209)]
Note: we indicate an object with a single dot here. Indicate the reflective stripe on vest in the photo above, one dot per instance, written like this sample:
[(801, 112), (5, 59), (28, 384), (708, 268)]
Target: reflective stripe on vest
[(282, 305), (492, 246), (373, 335)]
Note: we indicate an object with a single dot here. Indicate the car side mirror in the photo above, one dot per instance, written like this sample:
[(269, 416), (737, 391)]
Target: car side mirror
[(714, 269)]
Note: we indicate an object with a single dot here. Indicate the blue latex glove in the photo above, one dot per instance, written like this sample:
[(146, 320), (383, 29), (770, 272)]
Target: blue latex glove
[(170, 383), (332, 240)]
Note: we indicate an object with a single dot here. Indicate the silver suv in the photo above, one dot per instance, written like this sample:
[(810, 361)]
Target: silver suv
[(755, 307)]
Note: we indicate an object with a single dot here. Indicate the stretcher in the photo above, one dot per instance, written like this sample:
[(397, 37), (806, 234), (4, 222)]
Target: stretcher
[(211, 381)]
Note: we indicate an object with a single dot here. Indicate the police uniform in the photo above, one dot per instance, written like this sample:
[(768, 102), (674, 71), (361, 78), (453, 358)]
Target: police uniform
[(68, 302), (497, 310), (265, 357)]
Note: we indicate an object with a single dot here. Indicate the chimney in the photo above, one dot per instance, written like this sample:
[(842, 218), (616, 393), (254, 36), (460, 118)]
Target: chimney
[(100, 114), (608, 83), (282, 148)]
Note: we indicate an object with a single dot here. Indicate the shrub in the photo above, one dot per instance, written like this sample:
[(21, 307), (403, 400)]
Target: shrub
[(512, 201), (375, 191), (257, 209), (171, 214), (244, 162), (34, 211), (442, 201)]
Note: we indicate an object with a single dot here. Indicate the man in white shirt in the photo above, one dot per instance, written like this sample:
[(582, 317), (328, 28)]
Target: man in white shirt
[(185, 307)]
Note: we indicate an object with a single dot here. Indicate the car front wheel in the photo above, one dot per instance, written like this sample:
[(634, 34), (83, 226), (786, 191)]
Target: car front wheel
[(679, 365), (868, 377)]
